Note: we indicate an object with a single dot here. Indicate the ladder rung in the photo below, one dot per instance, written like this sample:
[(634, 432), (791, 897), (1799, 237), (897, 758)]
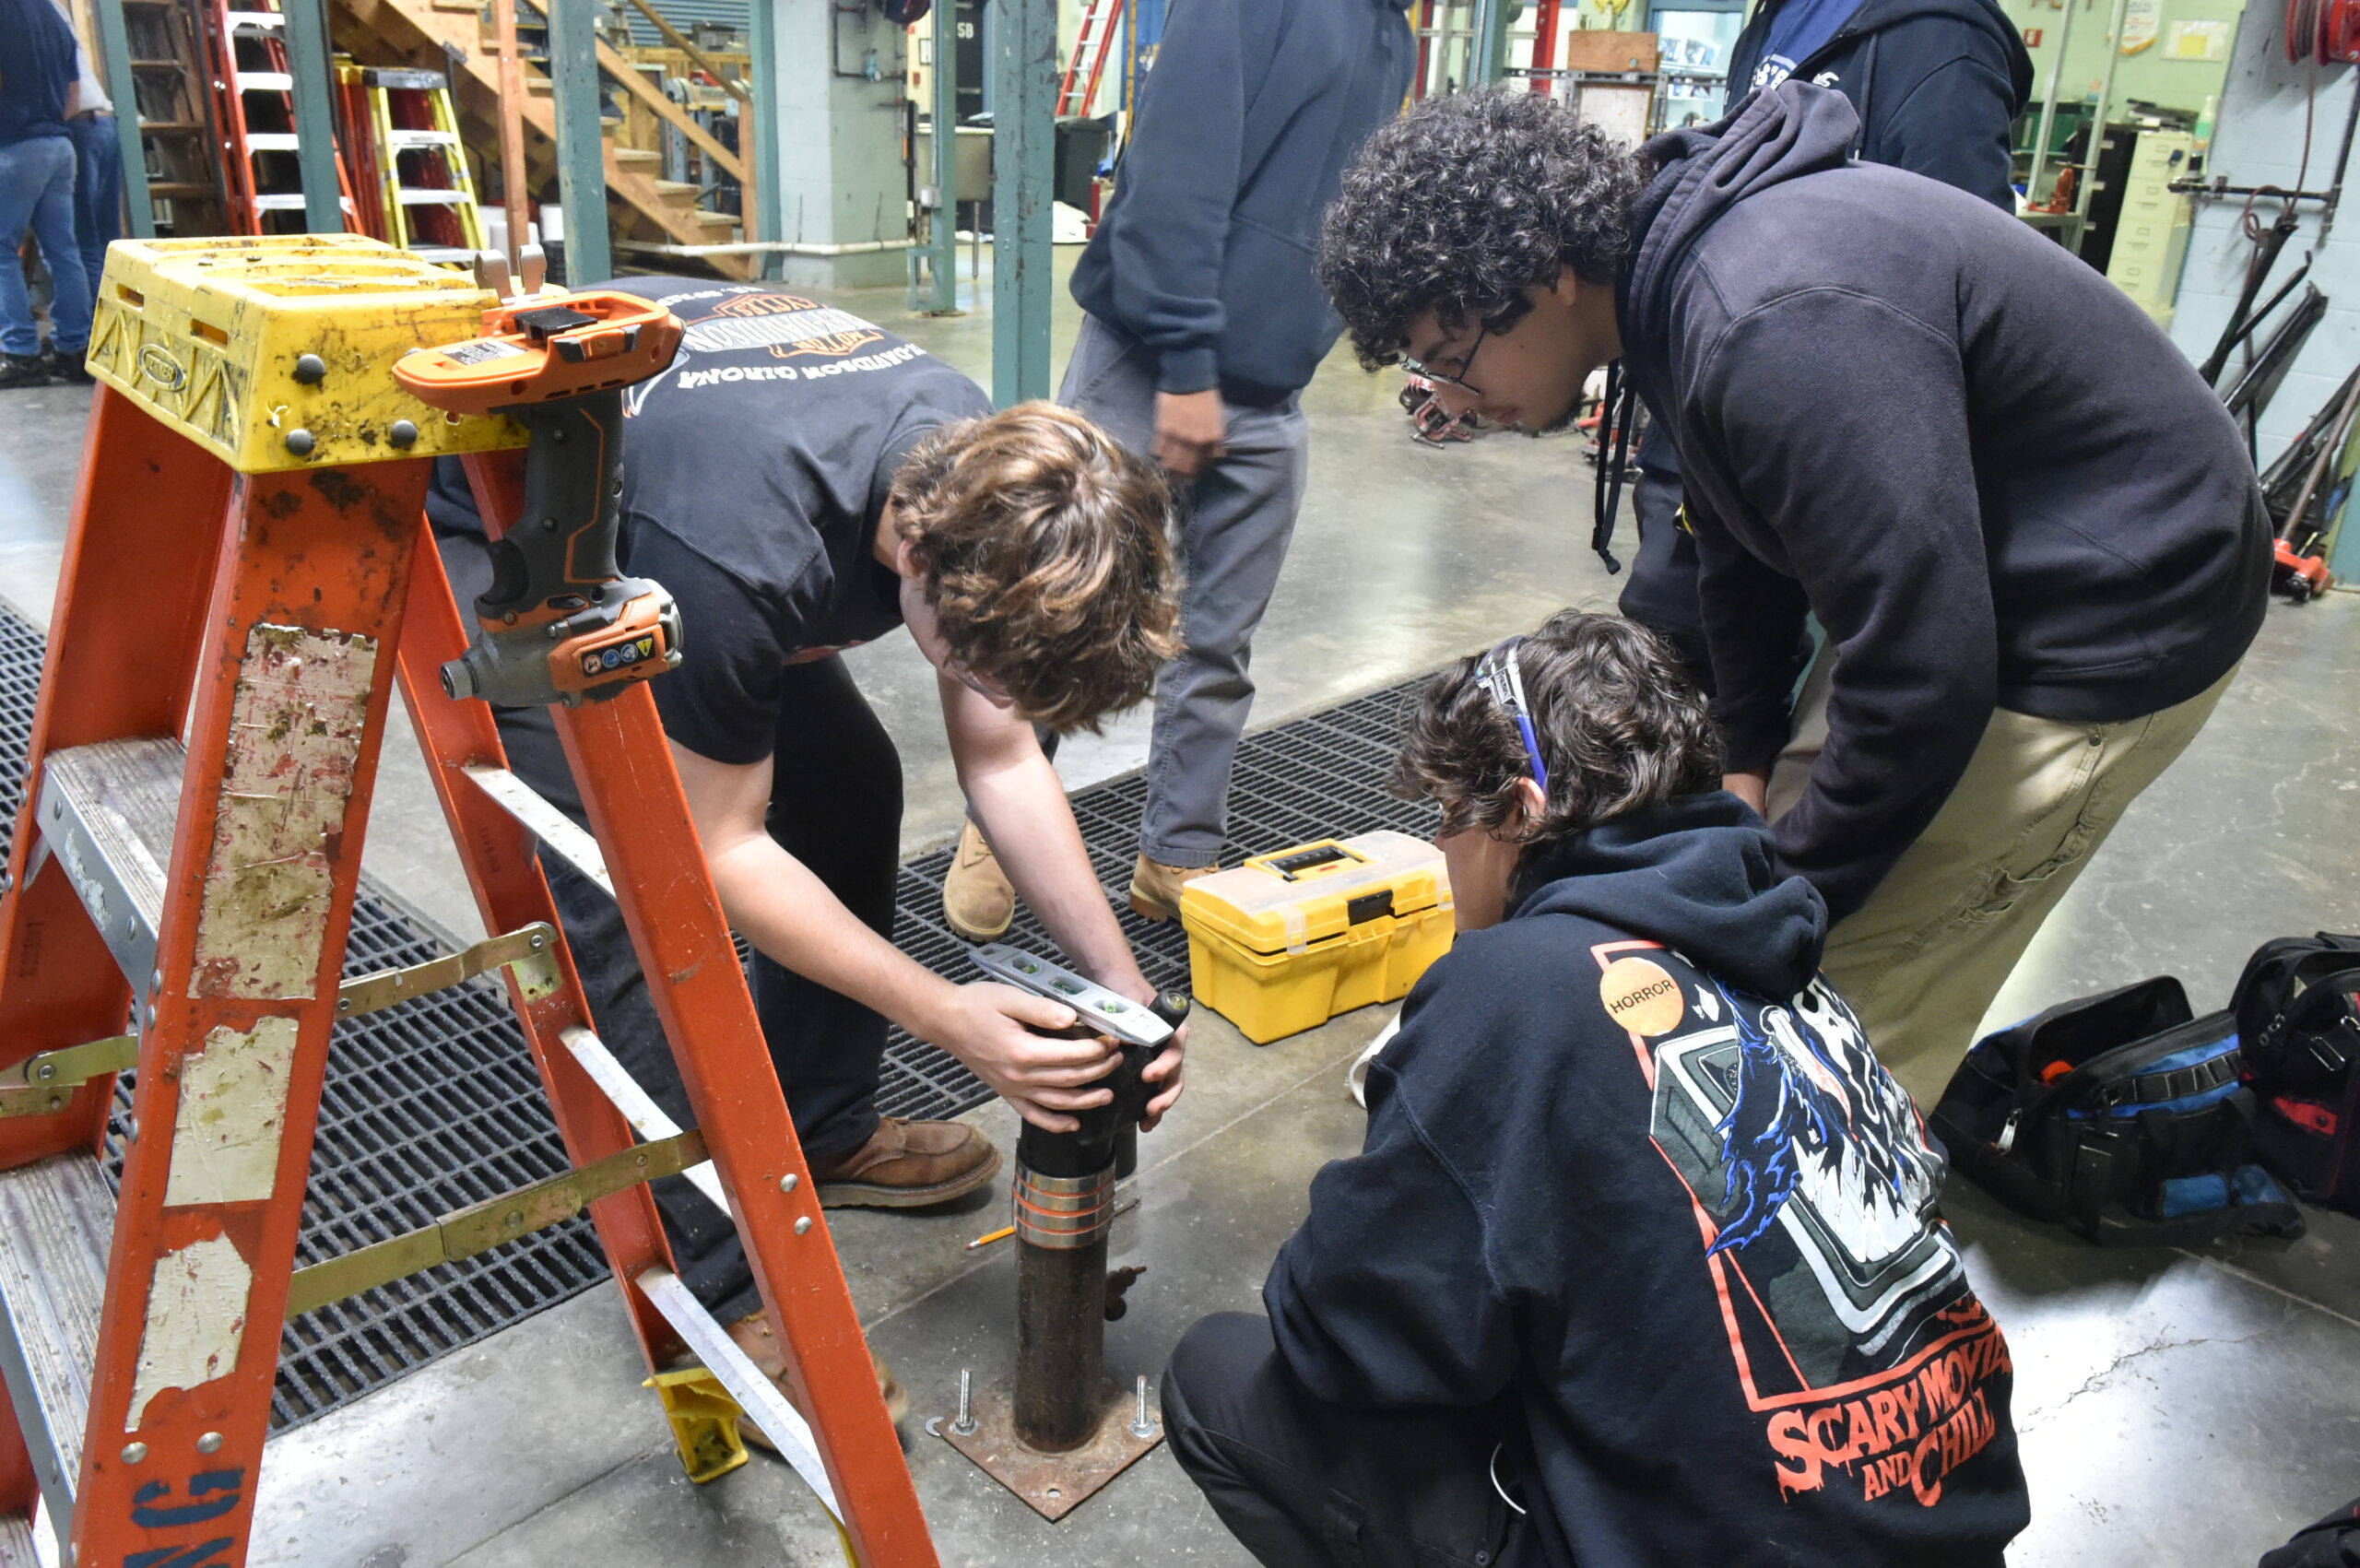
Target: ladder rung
[(279, 204), (265, 81), (16, 1542), (107, 815), (416, 196), (756, 1394), (263, 19), (423, 138), (646, 1118), (273, 141), (56, 1226), (552, 827)]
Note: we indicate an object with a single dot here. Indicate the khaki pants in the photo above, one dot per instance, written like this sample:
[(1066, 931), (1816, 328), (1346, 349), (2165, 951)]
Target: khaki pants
[(1921, 961)]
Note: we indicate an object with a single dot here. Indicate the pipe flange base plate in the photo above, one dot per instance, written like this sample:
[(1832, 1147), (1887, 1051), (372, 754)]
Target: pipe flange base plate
[(1052, 1485)]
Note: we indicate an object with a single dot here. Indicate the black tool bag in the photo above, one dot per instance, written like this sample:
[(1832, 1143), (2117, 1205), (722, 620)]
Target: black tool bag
[(2297, 1015), (2122, 1115), (2333, 1542)]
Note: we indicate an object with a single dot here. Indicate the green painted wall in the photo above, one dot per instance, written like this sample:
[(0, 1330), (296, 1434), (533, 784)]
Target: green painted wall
[(2149, 75)]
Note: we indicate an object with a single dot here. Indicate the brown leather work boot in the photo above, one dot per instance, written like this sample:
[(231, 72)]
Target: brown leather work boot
[(1155, 887), (753, 1335), (907, 1165), (977, 903)]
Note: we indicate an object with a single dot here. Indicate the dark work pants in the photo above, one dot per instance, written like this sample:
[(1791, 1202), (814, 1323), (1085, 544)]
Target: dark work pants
[(1662, 594), (1300, 1481), (836, 806)]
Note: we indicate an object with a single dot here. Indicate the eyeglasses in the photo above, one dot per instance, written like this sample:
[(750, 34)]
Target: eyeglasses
[(1458, 381), (1501, 675)]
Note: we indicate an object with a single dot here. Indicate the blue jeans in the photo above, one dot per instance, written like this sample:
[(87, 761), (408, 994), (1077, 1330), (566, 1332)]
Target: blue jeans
[(98, 191), (37, 188)]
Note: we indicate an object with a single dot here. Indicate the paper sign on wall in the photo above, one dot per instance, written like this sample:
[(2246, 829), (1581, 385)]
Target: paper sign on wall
[(2197, 40), (2140, 19)]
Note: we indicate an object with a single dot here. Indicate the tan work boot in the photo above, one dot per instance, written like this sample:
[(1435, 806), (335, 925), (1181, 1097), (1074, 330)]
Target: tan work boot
[(753, 1336), (1155, 887), (977, 903), (907, 1165)]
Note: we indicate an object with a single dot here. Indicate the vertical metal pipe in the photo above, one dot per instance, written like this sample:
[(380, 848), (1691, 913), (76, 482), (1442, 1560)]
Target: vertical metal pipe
[(1024, 60), (306, 29), (2049, 108), (115, 47), (943, 248), (515, 199), (1060, 1342), (580, 156), (1491, 41), (2088, 182), (757, 122)]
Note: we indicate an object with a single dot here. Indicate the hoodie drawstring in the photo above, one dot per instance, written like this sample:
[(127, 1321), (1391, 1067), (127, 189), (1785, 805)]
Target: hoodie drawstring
[(1613, 459)]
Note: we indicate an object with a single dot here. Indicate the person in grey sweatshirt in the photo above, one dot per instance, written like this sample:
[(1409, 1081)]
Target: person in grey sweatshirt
[(1204, 323), (2028, 527)]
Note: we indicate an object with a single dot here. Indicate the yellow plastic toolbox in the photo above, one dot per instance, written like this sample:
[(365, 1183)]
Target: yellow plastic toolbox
[(1286, 941)]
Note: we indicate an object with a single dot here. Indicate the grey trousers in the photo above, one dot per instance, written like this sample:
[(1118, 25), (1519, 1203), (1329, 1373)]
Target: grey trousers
[(1235, 521)]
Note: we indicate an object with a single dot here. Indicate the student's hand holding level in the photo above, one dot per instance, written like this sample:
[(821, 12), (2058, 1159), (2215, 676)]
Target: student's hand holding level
[(993, 1029), (1165, 1072)]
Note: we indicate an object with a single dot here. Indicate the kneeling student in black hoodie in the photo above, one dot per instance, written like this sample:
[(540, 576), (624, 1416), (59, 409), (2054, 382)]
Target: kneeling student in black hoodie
[(1640, 1262)]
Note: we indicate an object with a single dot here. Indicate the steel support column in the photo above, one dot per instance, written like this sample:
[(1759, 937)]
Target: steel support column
[(943, 251), (580, 159), (306, 29), (761, 120), (114, 52), (1024, 100), (1491, 43)]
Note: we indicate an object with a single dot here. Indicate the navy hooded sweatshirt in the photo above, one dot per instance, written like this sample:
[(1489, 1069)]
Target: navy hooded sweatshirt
[(1633, 1177), (1993, 478), (1937, 85), (1205, 254)]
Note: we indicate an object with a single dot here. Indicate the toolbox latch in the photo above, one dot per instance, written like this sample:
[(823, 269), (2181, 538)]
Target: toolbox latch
[(1368, 906)]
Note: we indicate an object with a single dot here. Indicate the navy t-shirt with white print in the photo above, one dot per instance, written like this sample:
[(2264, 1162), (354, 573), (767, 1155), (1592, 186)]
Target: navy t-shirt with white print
[(755, 469)]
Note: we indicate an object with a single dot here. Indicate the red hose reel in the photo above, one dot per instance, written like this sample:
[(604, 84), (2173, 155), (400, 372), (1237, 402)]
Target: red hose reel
[(2327, 31)]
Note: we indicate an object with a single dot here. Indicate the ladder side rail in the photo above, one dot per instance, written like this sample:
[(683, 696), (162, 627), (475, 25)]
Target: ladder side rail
[(19, 1488), (229, 116), (511, 893), (289, 714), (623, 766), (124, 634), (1106, 46)]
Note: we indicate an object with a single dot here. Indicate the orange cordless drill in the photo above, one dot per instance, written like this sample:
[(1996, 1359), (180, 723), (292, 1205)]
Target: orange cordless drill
[(559, 623)]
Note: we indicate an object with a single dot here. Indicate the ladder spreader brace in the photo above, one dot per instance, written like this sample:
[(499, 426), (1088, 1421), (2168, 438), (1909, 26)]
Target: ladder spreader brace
[(248, 564)]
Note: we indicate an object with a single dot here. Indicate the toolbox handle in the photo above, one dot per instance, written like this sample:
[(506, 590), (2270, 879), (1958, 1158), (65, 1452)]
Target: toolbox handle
[(1319, 858)]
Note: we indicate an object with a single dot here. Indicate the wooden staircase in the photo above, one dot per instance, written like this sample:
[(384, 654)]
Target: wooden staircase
[(640, 203)]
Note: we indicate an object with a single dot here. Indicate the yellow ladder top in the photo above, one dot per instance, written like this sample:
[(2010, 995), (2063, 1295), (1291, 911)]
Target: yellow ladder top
[(276, 352)]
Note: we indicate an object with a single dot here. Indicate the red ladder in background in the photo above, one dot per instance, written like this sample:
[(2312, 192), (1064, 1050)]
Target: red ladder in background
[(254, 99), (1090, 47)]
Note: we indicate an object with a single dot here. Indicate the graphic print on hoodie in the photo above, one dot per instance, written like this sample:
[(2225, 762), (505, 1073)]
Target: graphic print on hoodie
[(1853, 1328), (1633, 1180)]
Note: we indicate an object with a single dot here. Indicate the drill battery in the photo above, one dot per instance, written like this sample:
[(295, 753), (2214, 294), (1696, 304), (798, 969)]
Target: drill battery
[(1286, 941)]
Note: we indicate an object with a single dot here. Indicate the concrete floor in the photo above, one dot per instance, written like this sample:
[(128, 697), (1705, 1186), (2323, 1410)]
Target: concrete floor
[(2176, 1407)]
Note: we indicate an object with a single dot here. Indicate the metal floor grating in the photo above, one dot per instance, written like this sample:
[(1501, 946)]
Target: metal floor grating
[(434, 1105), (1320, 776), (429, 1106)]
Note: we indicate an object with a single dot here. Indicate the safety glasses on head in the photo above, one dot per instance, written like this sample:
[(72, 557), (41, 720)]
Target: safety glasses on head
[(1500, 673)]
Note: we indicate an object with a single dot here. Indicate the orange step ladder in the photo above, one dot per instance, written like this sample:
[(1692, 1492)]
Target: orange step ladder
[(254, 108), (248, 581), (1078, 91)]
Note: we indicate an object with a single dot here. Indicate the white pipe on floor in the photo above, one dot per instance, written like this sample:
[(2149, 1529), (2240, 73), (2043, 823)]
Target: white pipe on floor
[(765, 247)]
